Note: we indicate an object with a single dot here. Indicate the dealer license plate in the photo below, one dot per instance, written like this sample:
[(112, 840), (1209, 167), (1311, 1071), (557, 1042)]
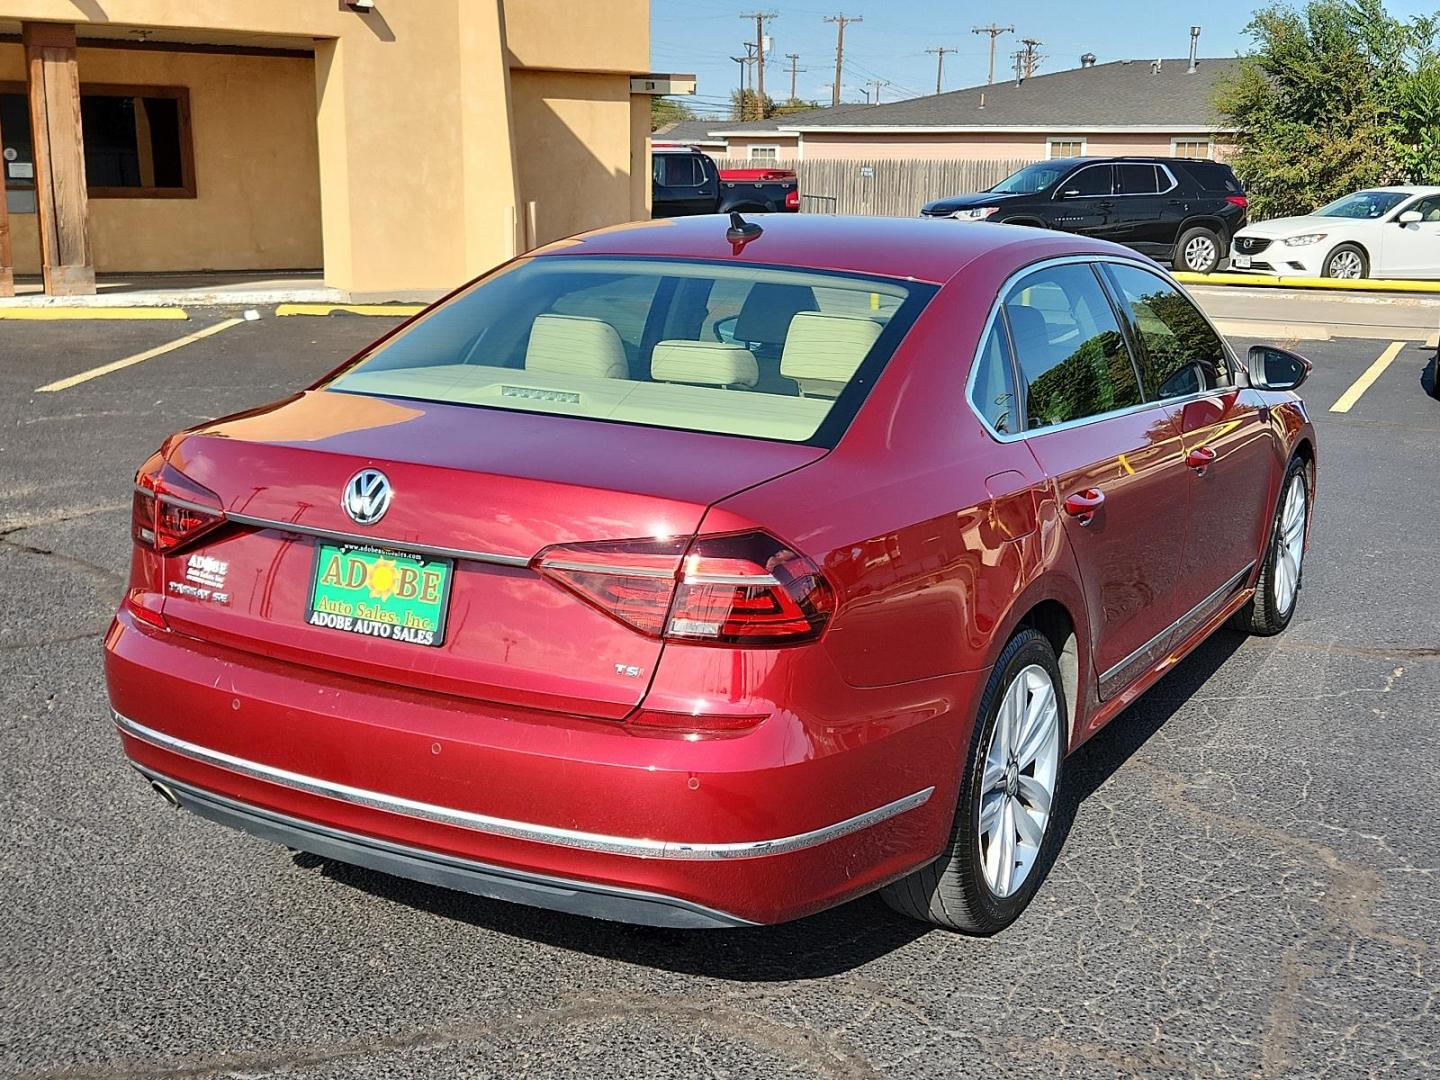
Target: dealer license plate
[(380, 593)]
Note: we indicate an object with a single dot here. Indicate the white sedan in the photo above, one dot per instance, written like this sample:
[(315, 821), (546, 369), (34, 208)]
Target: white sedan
[(1382, 233)]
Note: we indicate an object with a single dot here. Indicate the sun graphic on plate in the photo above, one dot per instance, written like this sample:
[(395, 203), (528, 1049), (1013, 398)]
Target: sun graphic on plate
[(382, 579)]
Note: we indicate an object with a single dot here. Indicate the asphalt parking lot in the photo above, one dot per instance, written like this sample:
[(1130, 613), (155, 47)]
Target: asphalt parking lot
[(1250, 885)]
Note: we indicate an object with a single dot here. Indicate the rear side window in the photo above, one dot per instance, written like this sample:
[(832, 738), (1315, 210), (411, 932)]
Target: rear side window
[(1069, 347), (678, 170), (1139, 180), (716, 347), (992, 388), (1179, 353)]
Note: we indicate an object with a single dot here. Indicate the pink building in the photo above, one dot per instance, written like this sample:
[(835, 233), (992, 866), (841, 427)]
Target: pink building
[(1125, 107)]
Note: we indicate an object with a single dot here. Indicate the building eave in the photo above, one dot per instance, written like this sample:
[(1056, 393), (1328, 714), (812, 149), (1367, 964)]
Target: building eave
[(1010, 129)]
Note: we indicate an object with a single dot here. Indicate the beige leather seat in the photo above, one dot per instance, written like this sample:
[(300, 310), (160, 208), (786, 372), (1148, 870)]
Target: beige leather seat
[(704, 363), (822, 352), (574, 345)]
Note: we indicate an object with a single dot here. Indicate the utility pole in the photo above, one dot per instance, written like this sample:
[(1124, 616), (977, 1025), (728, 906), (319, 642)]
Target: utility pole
[(877, 83), (1032, 57), (740, 101), (840, 21), (994, 31), (761, 18), (794, 59), (1019, 58), (940, 51)]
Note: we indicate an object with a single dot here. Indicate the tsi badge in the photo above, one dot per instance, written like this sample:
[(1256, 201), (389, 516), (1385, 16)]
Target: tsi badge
[(367, 496)]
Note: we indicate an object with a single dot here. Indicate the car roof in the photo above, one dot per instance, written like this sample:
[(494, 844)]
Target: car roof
[(907, 248), (1405, 189)]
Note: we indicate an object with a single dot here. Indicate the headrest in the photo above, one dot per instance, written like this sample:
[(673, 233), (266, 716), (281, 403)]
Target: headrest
[(1031, 332), (704, 363), (572, 345), (822, 352), (765, 316)]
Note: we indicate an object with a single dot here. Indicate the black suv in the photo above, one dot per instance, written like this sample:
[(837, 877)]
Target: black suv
[(1180, 210)]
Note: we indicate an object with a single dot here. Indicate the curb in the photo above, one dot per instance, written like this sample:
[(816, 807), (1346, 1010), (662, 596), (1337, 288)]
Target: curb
[(391, 310), (1264, 281), (66, 314)]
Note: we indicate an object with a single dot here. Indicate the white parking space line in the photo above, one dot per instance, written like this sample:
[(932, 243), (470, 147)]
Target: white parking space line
[(1364, 382), (131, 361)]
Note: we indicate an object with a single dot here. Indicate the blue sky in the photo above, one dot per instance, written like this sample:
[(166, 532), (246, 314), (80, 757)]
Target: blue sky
[(700, 36)]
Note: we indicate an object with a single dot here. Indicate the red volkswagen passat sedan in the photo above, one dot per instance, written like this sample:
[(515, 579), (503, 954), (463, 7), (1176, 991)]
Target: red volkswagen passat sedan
[(698, 575)]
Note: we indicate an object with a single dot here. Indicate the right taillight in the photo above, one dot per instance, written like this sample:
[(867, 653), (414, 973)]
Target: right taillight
[(1237, 200), (169, 510), (741, 589)]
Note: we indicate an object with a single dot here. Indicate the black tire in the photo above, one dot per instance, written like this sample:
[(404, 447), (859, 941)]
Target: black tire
[(951, 892), (1262, 615), (1188, 260), (1329, 269), (1430, 377)]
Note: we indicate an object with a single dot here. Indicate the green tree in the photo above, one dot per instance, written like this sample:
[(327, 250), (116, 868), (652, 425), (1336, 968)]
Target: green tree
[(1335, 96), (750, 106), (665, 110)]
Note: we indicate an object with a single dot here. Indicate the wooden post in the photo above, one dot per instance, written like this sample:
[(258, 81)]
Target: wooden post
[(7, 260), (60, 193)]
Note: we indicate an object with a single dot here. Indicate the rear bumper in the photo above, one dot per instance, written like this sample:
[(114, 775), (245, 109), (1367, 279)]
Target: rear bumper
[(447, 871), (571, 814)]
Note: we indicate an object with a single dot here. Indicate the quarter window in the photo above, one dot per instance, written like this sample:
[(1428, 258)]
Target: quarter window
[(993, 388), (1069, 347), (1179, 353)]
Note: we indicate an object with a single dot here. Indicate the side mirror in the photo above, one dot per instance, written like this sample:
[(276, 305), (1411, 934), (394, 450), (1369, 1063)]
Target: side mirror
[(1276, 369), (1410, 217)]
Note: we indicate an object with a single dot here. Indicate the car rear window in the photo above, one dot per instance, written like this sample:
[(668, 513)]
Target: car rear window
[(730, 348), (1215, 177)]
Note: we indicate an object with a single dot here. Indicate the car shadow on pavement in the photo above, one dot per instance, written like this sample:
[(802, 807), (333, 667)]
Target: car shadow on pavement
[(830, 943)]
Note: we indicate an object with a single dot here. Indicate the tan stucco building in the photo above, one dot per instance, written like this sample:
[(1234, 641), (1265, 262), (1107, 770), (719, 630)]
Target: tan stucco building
[(403, 145)]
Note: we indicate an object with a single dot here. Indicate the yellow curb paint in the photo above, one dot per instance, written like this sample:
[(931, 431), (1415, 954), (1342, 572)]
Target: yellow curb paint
[(131, 361), (393, 310), (1334, 284), (1364, 382), (65, 314)]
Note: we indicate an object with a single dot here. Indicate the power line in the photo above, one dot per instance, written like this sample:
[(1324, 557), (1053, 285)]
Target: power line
[(994, 31), (940, 51), (841, 21)]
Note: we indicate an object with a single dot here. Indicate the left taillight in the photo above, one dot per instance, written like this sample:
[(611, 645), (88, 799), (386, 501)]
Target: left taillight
[(169, 510), (741, 589), (1238, 200)]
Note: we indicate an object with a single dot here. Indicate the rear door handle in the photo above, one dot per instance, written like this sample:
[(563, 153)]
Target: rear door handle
[(1200, 459), (1083, 504)]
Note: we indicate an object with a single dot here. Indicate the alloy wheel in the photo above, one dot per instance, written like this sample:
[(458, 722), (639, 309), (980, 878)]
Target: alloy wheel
[(1201, 253), (1346, 265), (1290, 545), (1018, 786)]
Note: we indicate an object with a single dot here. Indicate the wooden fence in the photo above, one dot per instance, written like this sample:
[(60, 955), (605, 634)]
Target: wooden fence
[(884, 187)]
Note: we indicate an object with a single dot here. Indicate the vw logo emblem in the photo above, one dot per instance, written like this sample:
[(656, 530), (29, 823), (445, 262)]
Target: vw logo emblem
[(367, 496)]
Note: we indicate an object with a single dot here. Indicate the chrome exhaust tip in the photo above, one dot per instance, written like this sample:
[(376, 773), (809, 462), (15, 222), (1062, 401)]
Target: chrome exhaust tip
[(164, 791)]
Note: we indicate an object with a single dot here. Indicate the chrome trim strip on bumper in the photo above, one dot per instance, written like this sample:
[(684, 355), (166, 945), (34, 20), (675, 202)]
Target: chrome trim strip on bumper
[(1201, 606), (380, 541), (349, 537), (594, 900), (521, 830)]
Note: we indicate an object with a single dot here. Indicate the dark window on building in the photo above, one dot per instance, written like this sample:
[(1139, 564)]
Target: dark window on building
[(137, 140)]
